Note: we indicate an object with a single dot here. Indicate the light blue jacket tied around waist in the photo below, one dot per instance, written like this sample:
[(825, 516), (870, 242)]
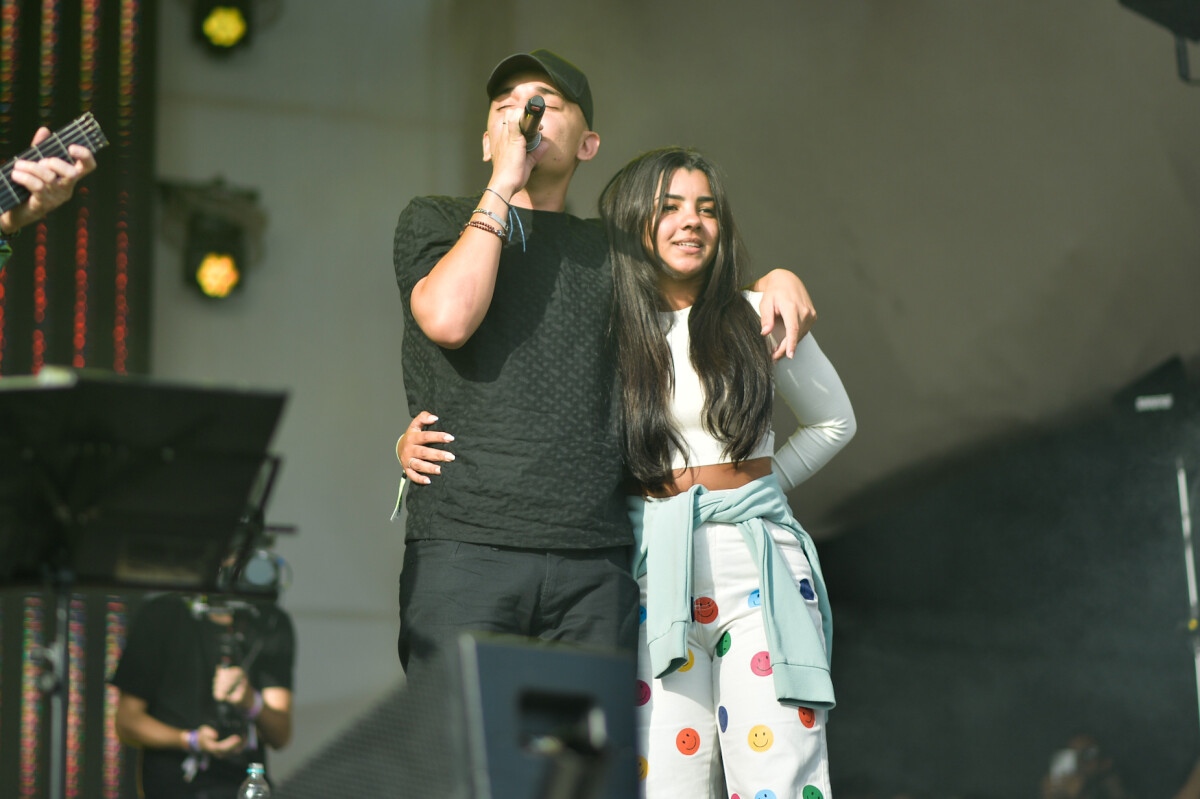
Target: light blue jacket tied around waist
[(663, 530)]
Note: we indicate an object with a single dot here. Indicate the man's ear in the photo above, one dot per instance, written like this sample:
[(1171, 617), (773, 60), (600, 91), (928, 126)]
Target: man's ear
[(589, 146), (487, 147)]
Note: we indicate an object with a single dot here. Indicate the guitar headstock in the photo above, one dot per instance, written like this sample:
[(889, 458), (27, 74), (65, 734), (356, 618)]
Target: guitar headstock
[(89, 129)]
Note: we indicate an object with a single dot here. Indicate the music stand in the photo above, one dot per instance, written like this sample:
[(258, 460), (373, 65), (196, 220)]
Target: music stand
[(123, 482)]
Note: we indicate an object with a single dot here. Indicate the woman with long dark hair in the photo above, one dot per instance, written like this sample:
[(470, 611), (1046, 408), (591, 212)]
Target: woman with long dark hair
[(734, 647)]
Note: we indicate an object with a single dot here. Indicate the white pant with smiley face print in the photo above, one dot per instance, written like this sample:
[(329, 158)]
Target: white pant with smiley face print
[(714, 727)]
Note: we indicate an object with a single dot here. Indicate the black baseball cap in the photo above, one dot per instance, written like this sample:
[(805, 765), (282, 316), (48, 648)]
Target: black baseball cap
[(569, 79)]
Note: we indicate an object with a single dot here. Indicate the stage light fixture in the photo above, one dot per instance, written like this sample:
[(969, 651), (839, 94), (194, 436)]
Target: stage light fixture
[(214, 259), (218, 230), (223, 26)]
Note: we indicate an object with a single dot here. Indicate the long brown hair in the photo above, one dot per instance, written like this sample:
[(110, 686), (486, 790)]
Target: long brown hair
[(725, 347)]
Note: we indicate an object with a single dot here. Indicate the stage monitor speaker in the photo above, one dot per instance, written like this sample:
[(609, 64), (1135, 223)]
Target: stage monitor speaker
[(1154, 410), (513, 719), (1181, 17)]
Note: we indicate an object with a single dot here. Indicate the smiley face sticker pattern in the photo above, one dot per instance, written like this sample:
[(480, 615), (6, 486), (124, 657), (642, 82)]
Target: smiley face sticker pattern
[(807, 717), (760, 664), (687, 741), (643, 693), (704, 610), (760, 738)]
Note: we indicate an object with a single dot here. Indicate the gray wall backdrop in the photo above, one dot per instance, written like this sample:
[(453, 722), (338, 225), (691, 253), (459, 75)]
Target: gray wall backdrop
[(994, 204)]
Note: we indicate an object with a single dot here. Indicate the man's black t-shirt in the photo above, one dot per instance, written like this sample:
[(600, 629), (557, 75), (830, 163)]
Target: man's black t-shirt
[(529, 398)]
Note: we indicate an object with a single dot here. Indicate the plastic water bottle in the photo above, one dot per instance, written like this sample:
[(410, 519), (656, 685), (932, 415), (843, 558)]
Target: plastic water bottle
[(255, 785)]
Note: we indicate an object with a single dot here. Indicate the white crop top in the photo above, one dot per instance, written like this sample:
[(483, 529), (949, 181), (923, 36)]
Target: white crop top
[(808, 384)]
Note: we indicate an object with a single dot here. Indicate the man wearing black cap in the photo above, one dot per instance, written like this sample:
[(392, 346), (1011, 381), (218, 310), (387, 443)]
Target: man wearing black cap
[(506, 301)]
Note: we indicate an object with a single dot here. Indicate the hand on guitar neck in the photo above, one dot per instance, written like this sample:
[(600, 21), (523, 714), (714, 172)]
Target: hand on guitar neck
[(37, 182)]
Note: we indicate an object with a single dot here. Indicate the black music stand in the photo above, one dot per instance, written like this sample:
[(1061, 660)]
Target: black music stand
[(123, 482)]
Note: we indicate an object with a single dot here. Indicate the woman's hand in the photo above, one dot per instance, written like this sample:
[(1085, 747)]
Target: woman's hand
[(415, 453)]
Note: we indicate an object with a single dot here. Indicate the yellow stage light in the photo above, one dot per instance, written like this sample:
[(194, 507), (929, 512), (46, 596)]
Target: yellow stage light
[(215, 256), (222, 25), (218, 275)]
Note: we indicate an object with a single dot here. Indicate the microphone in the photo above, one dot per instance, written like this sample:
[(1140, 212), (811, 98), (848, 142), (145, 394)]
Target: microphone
[(530, 122)]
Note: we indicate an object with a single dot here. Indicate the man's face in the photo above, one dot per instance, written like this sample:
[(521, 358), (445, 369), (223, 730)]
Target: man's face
[(562, 124)]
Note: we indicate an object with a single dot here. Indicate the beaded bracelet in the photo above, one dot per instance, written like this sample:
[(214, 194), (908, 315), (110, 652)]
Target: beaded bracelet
[(512, 215), (503, 225), (193, 740), (484, 226)]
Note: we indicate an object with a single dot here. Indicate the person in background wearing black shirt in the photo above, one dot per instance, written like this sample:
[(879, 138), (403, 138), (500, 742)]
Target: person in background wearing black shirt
[(203, 692)]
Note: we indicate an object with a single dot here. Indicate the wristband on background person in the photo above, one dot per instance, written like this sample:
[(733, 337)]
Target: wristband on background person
[(193, 740), (256, 709)]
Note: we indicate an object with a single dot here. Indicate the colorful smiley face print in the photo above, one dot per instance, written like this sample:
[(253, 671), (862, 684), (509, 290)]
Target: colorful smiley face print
[(691, 661), (643, 768), (704, 610), (755, 599), (806, 590), (807, 717), (723, 717), (760, 664), (765, 794), (643, 693), (811, 792), (687, 741), (760, 738), (724, 644), (641, 614)]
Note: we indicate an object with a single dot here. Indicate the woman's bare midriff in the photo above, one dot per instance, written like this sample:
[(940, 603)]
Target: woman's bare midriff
[(716, 476)]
